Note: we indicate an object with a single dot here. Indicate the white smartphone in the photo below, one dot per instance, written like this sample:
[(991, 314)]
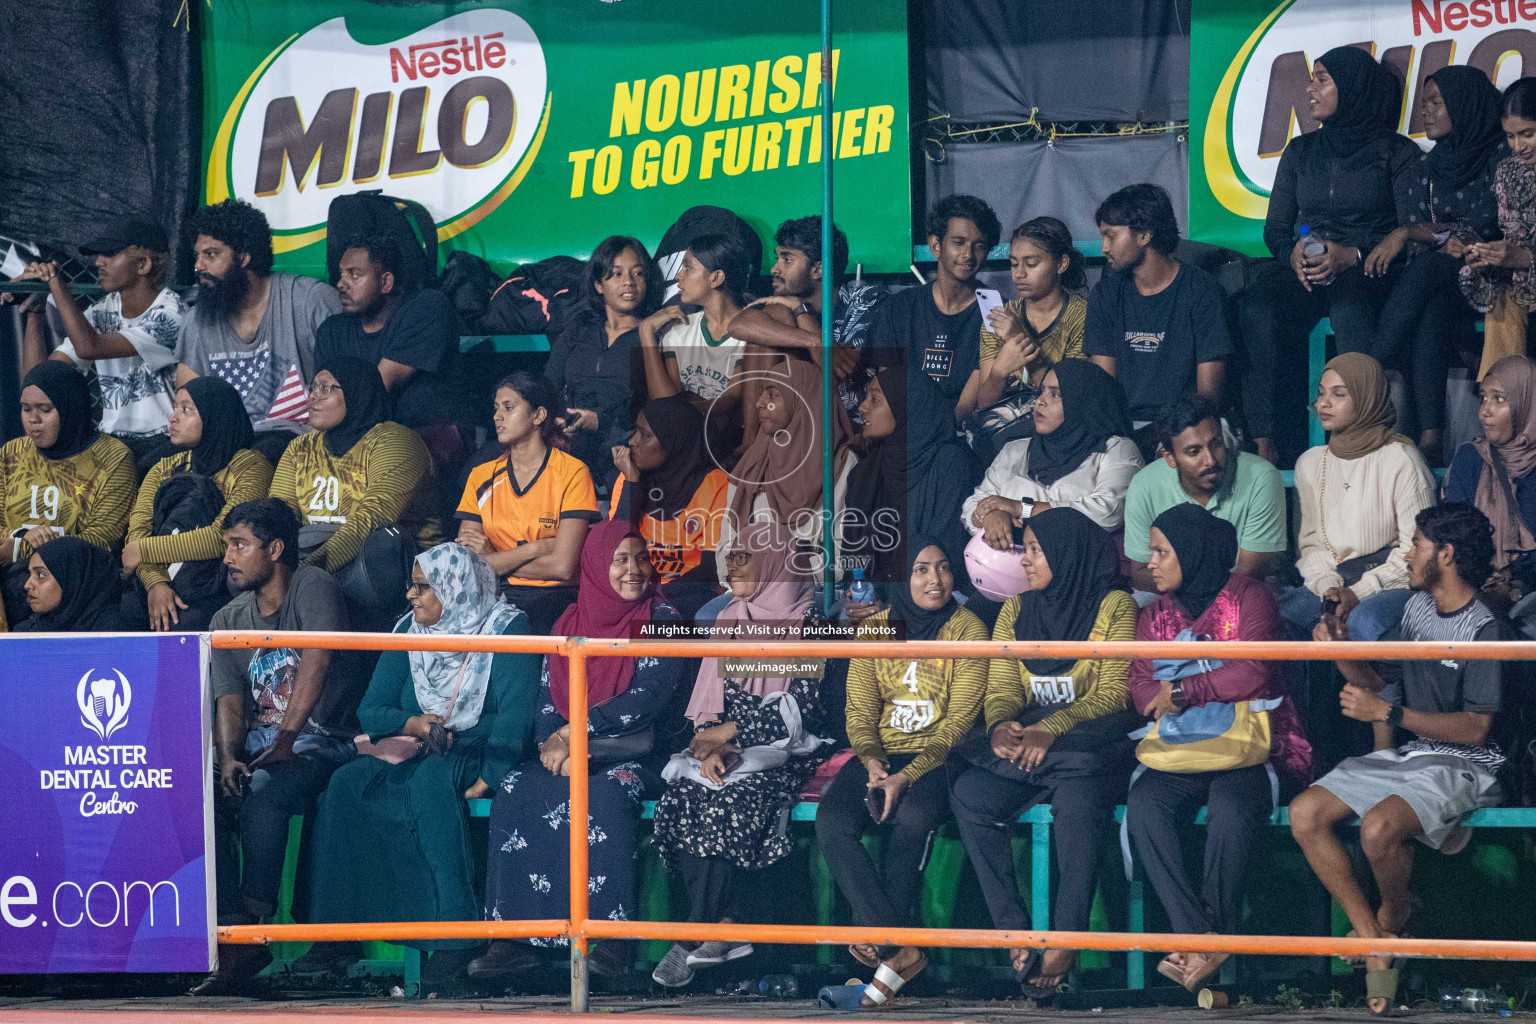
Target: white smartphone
[(988, 299)]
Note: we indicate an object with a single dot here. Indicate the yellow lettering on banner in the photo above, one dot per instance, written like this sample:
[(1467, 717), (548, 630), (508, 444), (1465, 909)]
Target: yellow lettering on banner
[(647, 166), (711, 152), (580, 159), (738, 149), (760, 87), (731, 103), (848, 138), (605, 170), (661, 103), (788, 96), (796, 127), (877, 129), (812, 96), (765, 154), (675, 160), (698, 96), (628, 100)]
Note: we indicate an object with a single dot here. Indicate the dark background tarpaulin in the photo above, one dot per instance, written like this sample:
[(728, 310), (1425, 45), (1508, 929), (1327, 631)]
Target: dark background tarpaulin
[(99, 104)]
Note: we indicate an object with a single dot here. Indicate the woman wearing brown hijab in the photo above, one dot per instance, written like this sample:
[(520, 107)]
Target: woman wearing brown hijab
[(1359, 494), (1494, 473)]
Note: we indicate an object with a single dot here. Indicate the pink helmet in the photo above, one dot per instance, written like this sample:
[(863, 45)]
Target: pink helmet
[(998, 575)]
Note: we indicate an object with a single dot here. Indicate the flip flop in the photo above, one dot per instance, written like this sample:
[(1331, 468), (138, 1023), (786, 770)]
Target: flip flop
[(1172, 969), (1034, 989), (1381, 983), (868, 960), (1208, 965), (1031, 967), (889, 982)]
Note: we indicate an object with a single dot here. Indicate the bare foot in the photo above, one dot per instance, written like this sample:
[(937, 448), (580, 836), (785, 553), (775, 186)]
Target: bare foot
[(1054, 966), (1380, 1004), (1018, 957), (1200, 966)]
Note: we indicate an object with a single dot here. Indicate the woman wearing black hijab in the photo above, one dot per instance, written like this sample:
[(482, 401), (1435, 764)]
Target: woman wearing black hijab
[(181, 503), (671, 490), (1080, 457), (914, 464), (1202, 598), (354, 475), (1450, 203), (63, 477), (903, 717), (71, 588), (1055, 732), (1346, 183)]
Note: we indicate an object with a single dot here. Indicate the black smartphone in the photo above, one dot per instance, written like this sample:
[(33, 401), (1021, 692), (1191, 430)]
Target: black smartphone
[(1330, 606)]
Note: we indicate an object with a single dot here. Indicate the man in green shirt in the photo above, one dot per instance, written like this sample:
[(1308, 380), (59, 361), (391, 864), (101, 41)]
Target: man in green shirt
[(1197, 466)]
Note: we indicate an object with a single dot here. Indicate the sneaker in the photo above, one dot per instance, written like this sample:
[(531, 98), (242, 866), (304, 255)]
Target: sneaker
[(506, 957), (711, 953), (326, 958), (238, 967), (673, 971)]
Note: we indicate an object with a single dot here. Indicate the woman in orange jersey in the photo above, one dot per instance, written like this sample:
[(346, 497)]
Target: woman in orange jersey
[(673, 492)]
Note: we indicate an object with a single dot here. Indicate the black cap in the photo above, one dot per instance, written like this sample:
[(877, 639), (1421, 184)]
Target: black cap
[(122, 232)]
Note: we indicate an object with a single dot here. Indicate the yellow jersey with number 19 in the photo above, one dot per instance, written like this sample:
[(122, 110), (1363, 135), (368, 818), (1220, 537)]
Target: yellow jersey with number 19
[(87, 495)]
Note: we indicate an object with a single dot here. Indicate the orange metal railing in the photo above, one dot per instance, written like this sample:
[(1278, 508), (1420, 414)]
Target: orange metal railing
[(580, 929)]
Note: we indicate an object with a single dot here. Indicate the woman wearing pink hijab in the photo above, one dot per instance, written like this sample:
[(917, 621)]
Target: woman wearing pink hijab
[(754, 747)]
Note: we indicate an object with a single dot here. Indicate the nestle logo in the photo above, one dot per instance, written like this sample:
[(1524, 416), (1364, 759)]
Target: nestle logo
[(447, 57)]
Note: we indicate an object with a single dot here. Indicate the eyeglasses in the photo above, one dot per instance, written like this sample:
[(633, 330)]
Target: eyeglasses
[(323, 390), (414, 588), (737, 559)]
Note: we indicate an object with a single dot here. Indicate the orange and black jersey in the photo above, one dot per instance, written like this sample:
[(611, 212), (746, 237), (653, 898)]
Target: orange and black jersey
[(561, 489)]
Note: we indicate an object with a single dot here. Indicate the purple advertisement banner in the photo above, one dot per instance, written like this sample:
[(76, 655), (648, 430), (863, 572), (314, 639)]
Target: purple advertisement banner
[(106, 861)]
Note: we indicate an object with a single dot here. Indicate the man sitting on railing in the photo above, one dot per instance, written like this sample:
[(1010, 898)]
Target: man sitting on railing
[(281, 719), (1423, 789)]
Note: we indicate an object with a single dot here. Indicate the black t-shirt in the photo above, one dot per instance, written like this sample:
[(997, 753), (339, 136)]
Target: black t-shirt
[(948, 348), (422, 334), (1157, 340)]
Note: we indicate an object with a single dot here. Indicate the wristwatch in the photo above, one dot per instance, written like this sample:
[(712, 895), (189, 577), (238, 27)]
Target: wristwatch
[(804, 309), (1395, 716)]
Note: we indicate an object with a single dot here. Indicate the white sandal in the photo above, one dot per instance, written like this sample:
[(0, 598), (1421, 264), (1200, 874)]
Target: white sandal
[(889, 982)]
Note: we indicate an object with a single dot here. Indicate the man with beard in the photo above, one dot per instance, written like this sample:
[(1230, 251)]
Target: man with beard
[(127, 338), (1197, 466), (250, 326), (1154, 323), (414, 338), (283, 719), (939, 326), (1426, 787)]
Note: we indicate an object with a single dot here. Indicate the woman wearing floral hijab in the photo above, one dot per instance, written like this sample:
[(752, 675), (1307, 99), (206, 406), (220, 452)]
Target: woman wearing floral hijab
[(391, 835), (528, 876)]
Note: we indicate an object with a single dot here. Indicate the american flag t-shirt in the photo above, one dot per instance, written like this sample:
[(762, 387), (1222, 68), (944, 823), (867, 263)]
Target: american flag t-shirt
[(251, 374), (291, 402)]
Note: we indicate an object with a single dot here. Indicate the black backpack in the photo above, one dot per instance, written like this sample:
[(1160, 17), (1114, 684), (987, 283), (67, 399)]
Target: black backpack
[(539, 298), (189, 501), (370, 214), (469, 282), (706, 220)]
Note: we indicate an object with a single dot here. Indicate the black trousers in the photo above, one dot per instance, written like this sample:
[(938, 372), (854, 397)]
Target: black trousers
[(710, 883), (1416, 330), (195, 618), (842, 819), (1277, 314), (542, 605), (1239, 805), (249, 884), (986, 807)]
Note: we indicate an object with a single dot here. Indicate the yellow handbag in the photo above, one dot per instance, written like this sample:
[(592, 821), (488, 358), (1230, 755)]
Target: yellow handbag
[(1213, 737)]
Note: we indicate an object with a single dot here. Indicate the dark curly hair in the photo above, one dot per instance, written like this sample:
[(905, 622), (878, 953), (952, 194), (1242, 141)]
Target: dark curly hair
[(969, 208), (540, 393), (384, 253), (240, 226), (1182, 413), (1469, 534), (1055, 239), (610, 249), (804, 234), (269, 519), (1142, 208)]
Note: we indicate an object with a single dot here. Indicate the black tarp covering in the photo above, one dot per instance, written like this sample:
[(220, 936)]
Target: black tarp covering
[(1111, 60), (99, 105)]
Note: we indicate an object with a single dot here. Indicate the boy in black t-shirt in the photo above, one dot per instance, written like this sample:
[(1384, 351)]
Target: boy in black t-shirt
[(414, 338), (1425, 788), (1154, 323), (939, 326)]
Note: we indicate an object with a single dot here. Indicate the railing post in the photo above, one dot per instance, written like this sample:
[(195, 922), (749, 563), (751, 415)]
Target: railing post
[(579, 826)]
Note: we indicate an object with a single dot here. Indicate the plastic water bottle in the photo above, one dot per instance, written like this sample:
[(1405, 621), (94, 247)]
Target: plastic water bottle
[(1311, 246), (1482, 1000), (779, 987), (861, 590)]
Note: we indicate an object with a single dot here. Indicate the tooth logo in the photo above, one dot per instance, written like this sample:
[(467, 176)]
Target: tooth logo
[(104, 703), (451, 116)]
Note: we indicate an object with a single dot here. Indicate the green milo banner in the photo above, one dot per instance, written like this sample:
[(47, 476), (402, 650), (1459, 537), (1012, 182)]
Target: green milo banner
[(531, 128), (1252, 62)]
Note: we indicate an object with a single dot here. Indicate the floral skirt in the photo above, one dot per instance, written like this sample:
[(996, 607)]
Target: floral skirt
[(528, 866), (744, 823)]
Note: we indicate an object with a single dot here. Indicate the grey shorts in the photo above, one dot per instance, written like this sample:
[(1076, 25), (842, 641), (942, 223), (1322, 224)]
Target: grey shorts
[(1442, 789)]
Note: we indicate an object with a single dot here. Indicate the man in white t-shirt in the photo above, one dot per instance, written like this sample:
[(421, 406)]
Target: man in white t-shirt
[(127, 339)]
